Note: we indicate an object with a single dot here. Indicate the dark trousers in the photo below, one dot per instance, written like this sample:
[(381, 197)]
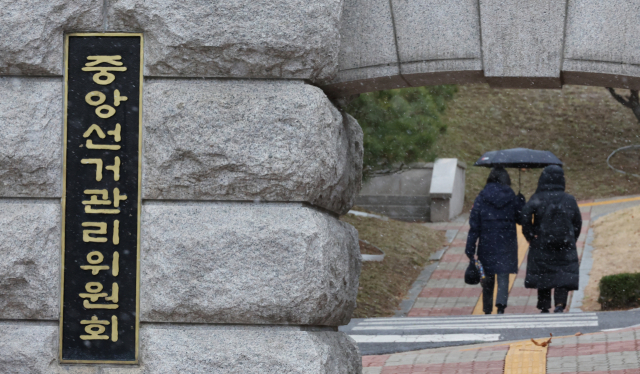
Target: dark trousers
[(488, 284), (559, 296)]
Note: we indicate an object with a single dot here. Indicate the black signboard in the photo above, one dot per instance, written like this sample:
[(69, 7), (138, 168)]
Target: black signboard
[(101, 199)]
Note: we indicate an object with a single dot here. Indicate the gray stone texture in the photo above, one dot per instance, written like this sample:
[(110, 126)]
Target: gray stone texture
[(522, 39), (430, 49), (247, 263), (201, 262), (368, 53), (367, 36), (30, 266), (603, 31), (235, 38), (249, 140), (525, 44), (32, 32), (600, 46), (437, 29), (32, 348), (30, 137)]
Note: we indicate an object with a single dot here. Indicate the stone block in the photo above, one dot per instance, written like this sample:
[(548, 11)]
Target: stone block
[(247, 263), (241, 140), (413, 181), (447, 189), (30, 137), (31, 347), (235, 38), (247, 350), (600, 47), (430, 30), (33, 32), (368, 54), (522, 39), (30, 266), (367, 35), (603, 31)]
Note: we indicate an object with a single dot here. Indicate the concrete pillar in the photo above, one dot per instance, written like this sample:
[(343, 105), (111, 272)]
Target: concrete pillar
[(245, 267), (447, 189)]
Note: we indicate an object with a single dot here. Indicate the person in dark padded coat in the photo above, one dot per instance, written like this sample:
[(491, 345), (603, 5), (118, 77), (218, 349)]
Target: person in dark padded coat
[(551, 223), (493, 220)]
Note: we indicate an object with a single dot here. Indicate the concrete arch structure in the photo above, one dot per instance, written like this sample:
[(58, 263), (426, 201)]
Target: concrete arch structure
[(506, 43)]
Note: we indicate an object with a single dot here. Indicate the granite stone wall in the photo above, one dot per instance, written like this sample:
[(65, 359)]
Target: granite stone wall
[(247, 161), (245, 267)]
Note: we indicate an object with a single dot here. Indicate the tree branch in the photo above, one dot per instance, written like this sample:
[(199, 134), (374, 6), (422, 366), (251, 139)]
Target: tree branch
[(619, 98), (633, 98)]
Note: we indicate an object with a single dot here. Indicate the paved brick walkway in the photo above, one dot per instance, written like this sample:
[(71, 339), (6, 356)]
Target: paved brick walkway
[(612, 352), (446, 294)]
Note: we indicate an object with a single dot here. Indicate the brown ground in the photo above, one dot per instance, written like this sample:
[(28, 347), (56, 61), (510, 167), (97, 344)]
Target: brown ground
[(407, 246), (616, 249), (368, 249), (581, 125)]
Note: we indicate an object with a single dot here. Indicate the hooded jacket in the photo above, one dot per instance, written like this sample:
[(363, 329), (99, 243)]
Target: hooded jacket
[(551, 267), (492, 223)]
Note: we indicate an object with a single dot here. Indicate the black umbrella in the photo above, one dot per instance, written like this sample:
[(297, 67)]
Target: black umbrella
[(518, 158)]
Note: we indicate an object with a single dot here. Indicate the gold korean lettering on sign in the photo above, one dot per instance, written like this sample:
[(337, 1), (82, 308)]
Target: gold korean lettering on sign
[(96, 258), (115, 168), (103, 75), (93, 294), (105, 110), (104, 122), (95, 128), (95, 328), (100, 197), (104, 194), (102, 230)]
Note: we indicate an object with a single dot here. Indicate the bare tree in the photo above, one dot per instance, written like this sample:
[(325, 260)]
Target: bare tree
[(632, 102)]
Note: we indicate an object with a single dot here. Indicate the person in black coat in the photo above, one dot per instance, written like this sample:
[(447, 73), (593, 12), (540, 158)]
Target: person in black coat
[(552, 262), (493, 220)]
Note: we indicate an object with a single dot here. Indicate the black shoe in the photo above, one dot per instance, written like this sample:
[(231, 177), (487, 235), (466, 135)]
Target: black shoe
[(500, 308), (559, 309), (544, 310)]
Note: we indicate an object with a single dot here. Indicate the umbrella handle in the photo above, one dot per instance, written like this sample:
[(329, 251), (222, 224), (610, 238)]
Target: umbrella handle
[(519, 176)]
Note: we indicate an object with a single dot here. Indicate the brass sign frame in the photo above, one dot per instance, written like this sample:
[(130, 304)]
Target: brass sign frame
[(64, 191)]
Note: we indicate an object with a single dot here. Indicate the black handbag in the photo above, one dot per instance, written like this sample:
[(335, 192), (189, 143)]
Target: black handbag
[(472, 274)]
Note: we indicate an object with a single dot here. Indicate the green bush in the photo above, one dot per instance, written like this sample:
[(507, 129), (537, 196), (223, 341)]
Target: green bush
[(620, 291), (400, 126)]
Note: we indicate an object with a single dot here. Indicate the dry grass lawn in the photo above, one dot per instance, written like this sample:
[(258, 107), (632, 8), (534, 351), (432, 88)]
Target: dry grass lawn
[(383, 285), (616, 249), (581, 125)]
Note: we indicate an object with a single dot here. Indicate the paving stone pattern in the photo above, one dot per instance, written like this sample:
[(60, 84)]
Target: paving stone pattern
[(446, 294), (611, 352)]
